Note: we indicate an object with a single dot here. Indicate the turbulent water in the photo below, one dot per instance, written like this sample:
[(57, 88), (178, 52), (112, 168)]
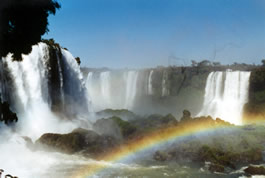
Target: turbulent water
[(225, 95), (46, 93)]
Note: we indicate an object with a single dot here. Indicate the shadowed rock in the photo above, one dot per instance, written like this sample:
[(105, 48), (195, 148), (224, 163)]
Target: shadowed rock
[(255, 170), (86, 142)]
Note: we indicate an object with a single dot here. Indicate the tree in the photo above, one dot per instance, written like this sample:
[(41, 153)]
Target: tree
[(204, 63), (194, 63), (263, 62), (216, 63), (22, 23)]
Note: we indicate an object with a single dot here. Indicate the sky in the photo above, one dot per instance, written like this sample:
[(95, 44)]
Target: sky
[(150, 33)]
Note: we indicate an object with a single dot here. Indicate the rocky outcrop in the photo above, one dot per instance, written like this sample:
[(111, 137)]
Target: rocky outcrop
[(255, 170), (85, 142), (108, 127), (161, 156), (216, 168), (154, 121), (228, 147), (221, 149), (126, 128), (186, 116), (121, 113)]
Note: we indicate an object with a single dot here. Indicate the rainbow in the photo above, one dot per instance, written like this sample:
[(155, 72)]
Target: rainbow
[(148, 141)]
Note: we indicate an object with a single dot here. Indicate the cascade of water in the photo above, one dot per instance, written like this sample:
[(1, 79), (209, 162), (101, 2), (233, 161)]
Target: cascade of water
[(164, 87), (150, 87), (74, 89), (89, 83), (225, 95), (131, 89), (31, 97), (27, 86), (105, 87), (30, 77)]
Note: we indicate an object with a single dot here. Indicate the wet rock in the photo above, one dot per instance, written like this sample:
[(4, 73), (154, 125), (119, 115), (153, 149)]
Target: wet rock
[(80, 140), (216, 168), (126, 127), (160, 156), (169, 119), (29, 143), (255, 170), (186, 116), (108, 127)]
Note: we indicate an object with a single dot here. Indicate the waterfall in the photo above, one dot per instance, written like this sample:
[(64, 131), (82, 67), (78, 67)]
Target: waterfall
[(105, 87), (131, 88), (112, 89), (225, 95), (37, 94), (165, 91), (150, 87)]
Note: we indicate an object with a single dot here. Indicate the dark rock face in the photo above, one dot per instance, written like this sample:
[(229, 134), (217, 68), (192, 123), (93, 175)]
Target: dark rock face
[(253, 170), (255, 108), (87, 141), (6, 114)]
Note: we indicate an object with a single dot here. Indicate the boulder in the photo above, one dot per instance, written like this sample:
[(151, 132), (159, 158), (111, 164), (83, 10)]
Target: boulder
[(108, 127), (160, 156), (169, 119), (216, 168), (29, 143), (126, 127), (255, 170), (80, 140), (186, 116)]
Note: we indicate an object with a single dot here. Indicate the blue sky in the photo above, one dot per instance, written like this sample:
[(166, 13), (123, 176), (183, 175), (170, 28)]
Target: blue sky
[(147, 33)]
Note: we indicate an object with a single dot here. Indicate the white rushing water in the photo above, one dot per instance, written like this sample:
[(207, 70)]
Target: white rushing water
[(33, 93), (165, 91), (109, 90), (150, 86), (225, 95), (105, 87), (131, 88)]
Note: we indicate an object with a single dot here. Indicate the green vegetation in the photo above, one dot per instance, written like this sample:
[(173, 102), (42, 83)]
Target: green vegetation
[(255, 108), (127, 128)]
